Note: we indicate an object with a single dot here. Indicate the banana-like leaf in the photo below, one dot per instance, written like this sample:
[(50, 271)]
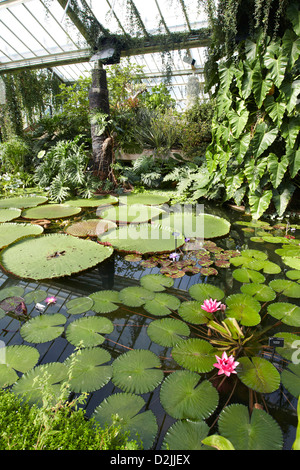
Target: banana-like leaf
[(277, 169), (259, 204)]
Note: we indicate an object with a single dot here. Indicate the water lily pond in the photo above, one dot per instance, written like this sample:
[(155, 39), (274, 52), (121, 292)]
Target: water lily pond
[(80, 289)]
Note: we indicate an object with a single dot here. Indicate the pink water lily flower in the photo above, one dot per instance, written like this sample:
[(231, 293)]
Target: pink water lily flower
[(226, 365), (210, 305), (50, 300)]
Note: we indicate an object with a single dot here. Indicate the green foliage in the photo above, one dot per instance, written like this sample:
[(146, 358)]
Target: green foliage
[(63, 169), (13, 155)]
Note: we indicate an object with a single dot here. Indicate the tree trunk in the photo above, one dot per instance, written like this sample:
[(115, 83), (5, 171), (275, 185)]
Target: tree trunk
[(102, 145)]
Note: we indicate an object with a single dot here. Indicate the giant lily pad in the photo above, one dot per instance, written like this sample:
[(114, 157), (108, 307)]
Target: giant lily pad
[(135, 213), (144, 198), (243, 308), (93, 201), (22, 202), (202, 225), (90, 370), (183, 396), (127, 407), (90, 228), (143, 238), (43, 328), (11, 232), (258, 374), (19, 358), (168, 331), (6, 215), (195, 354), (256, 432), (88, 331), (137, 371), (52, 256), (50, 211)]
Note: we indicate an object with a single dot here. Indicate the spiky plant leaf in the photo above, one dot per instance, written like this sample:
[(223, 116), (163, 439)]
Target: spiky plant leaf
[(51, 256), (88, 331), (162, 304), (19, 358), (137, 371), (127, 406), (11, 232), (184, 396), (168, 331), (43, 328), (186, 435), (195, 354), (256, 432), (89, 369)]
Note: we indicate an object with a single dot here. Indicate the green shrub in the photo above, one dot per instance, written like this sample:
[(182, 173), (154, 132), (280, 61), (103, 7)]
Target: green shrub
[(25, 427)]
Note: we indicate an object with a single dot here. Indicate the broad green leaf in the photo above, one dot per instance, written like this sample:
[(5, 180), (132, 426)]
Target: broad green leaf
[(131, 417), (35, 296), (50, 211), (259, 204), (186, 435), (240, 146), (233, 183), (291, 378), (289, 94), (105, 301), (226, 73), (79, 305), (183, 396), (11, 232), (201, 292), (254, 170), (22, 202), (256, 432), (156, 282), (135, 296), (162, 304), (290, 347), (292, 261), (286, 287), (218, 442), (276, 63), (258, 374), (6, 215), (137, 371), (148, 199), (168, 331), (195, 354), (296, 444), (13, 291), (133, 213), (88, 331), (238, 121), (277, 169), (290, 130), (263, 138), (282, 197), (275, 109), (291, 46), (19, 358), (243, 308), (293, 14), (259, 292), (192, 312), (246, 81), (43, 328), (260, 86), (286, 312), (293, 155), (248, 275)]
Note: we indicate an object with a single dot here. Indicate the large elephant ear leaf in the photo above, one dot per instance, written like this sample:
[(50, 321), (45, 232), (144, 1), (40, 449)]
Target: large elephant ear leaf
[(127, 406), (258, 432), (186, 435), (258, 374)]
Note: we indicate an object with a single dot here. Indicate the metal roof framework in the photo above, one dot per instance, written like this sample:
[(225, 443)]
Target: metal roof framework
[(40, 34)]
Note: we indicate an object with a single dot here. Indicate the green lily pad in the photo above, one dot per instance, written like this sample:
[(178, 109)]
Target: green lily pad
[(202, 225), (292, 261), (192, 312), (144, 198), (90, 370), (51, 256), (291, 344), (256, 254), (6, 215), (105, 301), (286, 312), (258, 431), (248, 275), (183, 396), (22, 202), (168, 331), (135, 213), (259, 292), (137, 371), (243, 308), (92, 202), (50, 211), (258, 374), (11, 232), (156, 282), (43, 328), (293, 274), (19, 358), (90, 228), (135, 296), (31, 386), (88, 331), (186, 435), (201, 292), (195, 354), (35, 296), (132, 420), (14, 306), (13, 291), (162, 304), (142, 239), (286, 287), (291, 379), (79, 305)]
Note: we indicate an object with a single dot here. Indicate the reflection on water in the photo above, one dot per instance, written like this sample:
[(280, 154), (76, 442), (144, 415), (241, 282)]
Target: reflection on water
[(130, 330)]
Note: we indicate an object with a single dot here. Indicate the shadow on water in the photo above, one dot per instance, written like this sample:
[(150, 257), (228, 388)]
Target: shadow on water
[(130, 325)]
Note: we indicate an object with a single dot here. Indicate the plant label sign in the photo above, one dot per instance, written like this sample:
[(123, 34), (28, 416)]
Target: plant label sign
[(276, 342)]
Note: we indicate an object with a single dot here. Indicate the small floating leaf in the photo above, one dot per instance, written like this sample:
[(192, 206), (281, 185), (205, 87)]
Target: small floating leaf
[(286, 287), (35, 296), (192, 312), (20, 358), (258, 374), (88, 331), (195, 354), (105, 301), (291, 379), (168, 331), (162, 304), (186, 435), (79, 305), (243, 308), (201, 292), (286, 312), (135, 296), (156, 282), (248, 275), (259, 292), (43, 328)]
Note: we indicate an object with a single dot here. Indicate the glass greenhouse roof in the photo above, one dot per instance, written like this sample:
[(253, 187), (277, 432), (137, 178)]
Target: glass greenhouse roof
[(50, 33)]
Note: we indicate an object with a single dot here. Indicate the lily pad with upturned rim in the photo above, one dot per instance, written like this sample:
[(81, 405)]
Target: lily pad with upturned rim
[(22, 202), (92, 202), (6, 215), (52, 256), (135, 213), (144, 198), (202, 225), (90, 228), (11, 232), (50, 211)]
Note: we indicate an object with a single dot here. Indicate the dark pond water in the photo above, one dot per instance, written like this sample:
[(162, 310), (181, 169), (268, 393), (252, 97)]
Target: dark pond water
[(130, 325)]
